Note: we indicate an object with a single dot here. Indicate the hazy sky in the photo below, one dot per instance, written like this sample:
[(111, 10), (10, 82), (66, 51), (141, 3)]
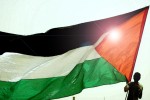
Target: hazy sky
[(36, 16)]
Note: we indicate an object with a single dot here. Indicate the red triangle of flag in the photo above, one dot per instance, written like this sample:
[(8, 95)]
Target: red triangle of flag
[(120, 47)]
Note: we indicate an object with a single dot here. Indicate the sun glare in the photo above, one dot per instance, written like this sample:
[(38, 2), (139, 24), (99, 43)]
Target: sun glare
[(114, 35)]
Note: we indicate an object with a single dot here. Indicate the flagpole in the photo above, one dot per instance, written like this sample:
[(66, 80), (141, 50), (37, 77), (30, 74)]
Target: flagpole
[(73, 98)]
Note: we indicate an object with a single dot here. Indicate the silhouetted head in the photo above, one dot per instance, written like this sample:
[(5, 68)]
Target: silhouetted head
[(137, 76)]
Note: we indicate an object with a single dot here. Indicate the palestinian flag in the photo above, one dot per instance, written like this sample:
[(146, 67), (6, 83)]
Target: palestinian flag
[(84, 56)]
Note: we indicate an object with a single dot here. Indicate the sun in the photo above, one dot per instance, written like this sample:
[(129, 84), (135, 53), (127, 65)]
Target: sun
[(114, 35)]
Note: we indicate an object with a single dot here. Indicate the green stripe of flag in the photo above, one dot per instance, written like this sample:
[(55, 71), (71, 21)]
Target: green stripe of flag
[(90, 73)]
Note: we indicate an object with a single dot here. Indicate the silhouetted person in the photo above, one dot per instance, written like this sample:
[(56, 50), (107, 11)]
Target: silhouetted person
[(135, 88)]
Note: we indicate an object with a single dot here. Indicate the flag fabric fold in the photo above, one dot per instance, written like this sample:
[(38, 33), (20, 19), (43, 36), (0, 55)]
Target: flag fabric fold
[(108, 59)]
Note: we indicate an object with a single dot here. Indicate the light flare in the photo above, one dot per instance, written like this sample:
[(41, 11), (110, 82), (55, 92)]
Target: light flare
[(114, 35)]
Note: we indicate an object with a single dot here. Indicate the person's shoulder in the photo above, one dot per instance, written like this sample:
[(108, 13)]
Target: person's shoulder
[(140, 86), (130, 83)]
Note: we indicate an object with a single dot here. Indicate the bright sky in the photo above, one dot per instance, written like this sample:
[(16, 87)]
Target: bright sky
[(36, 16)]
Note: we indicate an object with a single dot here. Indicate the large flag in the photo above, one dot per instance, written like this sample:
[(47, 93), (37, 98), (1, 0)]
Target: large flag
[(104, 57)]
